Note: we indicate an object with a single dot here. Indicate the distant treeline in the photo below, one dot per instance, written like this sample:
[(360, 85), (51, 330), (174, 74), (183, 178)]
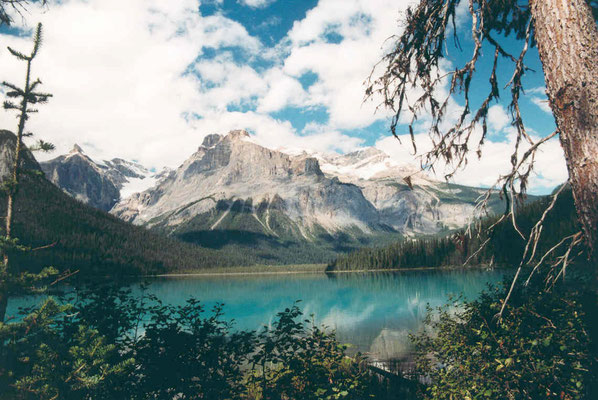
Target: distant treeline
[(505, 246)]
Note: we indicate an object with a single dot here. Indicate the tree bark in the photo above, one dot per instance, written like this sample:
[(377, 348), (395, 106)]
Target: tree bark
[(567, 40)]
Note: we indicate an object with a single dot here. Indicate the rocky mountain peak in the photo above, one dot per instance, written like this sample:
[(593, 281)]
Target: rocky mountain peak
[(307, 166), (100, 184), (76, 149), (7, 152), (237, 134), (366, 153), (211, 140)]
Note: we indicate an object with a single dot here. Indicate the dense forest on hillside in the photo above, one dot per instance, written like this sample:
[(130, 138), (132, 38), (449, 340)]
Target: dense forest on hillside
[(94, 242), (505, 246), (98, 243)]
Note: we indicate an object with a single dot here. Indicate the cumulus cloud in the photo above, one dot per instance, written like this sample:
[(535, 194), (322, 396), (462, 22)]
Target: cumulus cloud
[(118, 72), (147, 79), (343, 64), (549, 171), (498, 117)]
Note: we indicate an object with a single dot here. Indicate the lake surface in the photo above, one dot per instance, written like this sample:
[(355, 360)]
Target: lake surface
[(373, 312)]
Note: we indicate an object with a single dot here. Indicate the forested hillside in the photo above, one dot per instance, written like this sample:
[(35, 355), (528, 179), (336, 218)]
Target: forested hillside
[(505, 246), (94, 242)]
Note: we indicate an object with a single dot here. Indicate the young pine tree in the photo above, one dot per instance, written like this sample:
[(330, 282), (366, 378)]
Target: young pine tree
[(20, 100)]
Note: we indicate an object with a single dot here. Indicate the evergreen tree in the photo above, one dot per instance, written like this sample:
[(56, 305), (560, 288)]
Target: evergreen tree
[(25, 97)]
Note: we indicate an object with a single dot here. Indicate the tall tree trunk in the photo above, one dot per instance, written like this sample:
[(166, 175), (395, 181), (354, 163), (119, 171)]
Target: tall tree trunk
[(567, 40)]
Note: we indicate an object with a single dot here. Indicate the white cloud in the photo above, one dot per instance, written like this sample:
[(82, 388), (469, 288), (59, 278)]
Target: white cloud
[(283, 91), (542, 103), (362, 26), (131, 79), (225, 83), (498, 118), (550, 167), (256, 3), (538, 97), (118, 74)]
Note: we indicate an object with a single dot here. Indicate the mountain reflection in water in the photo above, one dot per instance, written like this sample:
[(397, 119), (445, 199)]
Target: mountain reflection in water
[(372, 312)]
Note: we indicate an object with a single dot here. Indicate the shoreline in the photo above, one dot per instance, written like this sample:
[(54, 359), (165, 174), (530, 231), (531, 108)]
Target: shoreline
[(314, 270)]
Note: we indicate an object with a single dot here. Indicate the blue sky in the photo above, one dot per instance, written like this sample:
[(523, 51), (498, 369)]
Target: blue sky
[(147, 79)]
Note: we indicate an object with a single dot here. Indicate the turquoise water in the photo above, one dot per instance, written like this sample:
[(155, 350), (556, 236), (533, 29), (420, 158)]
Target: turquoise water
[(373, 312)]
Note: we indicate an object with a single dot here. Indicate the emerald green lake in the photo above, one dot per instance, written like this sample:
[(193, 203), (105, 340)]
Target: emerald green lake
[(373, 312)]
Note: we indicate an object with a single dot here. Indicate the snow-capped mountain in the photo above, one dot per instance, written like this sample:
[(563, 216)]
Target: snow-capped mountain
[(282, 206), (231, 183), (370, 164), (100, 184)]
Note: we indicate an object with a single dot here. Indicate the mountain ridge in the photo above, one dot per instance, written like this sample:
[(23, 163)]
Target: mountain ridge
[(83, 238), (100, 184), (233, 193)]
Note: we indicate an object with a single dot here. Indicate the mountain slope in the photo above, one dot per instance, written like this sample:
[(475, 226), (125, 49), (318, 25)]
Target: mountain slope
[(101, 185), (233, 192), (236, 196), (88, 239), (504, 246)]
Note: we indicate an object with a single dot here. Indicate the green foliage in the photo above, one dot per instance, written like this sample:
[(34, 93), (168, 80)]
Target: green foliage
[(540, 349), (96, 243), (183, 353), (40, 361), (110, 344), (12, 278), (505, 247), (293, 361), (282, 241)]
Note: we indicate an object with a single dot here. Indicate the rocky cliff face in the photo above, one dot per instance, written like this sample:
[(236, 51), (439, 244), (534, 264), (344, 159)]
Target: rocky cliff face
[(232, 184), (283, 207), (405, 197), (7, 155), (100, 184)]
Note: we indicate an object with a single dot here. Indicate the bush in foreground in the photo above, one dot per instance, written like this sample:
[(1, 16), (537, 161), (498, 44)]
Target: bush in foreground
[(539, 349), (110, 344)]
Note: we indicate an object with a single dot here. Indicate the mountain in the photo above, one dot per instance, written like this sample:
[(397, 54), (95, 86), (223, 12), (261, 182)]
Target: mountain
[(232, 191), (302, 195), (7, 145), (404, 195), (99, 184), (87, 239)]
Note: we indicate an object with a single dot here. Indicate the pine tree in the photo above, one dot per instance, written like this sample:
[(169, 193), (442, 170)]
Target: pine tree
[(10, 278)]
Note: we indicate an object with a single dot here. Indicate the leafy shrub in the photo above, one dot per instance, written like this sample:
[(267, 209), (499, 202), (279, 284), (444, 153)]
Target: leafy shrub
[(298, 361), (540, 349), (111, 344), (39, 361)]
